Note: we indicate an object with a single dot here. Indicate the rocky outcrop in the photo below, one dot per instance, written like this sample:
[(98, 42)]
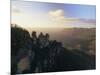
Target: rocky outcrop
[(36, 54)]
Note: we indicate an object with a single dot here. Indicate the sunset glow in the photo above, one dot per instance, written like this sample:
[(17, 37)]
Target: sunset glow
[(35, 14)]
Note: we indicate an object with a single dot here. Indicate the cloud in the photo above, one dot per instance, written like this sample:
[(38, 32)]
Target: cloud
[(58, 17), (14, 9), (56, 13), (92, 21)]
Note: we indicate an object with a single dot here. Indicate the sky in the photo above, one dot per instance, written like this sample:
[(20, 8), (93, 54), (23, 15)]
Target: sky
[(42, 14)]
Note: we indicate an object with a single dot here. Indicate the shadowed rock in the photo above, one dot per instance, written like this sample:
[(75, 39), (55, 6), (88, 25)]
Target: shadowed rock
[(32, 54)]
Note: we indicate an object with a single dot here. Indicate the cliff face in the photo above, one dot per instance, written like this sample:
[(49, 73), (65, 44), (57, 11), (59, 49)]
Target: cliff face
[(32, 54)]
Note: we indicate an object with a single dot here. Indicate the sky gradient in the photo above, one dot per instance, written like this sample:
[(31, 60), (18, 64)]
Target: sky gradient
[(42, 14)]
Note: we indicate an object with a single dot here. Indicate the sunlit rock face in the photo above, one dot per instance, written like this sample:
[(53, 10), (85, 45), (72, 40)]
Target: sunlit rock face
[(23, 64), (36, 54)]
